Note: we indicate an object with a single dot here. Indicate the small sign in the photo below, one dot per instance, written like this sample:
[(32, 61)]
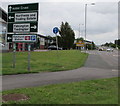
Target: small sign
[(24, 38), (55, 30), (80, 45), (23, 7), (22, 27)]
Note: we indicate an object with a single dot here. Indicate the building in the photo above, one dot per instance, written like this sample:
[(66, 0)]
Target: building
[(3, 30), (117, 42), (82, 44), (43, 41)]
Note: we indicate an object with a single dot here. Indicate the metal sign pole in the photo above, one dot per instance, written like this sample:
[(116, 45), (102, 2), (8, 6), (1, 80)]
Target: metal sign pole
[(14, 54), (29, 46), (57, 45), (56, 42)]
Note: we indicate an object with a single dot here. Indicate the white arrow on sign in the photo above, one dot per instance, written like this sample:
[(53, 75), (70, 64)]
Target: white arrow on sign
[(9, 38), (10, 17), (34, 27), (10, 8)]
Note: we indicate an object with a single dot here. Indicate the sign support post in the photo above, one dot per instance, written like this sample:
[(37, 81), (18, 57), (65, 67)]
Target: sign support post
[(29, 47), (56, 41), (14, 54)]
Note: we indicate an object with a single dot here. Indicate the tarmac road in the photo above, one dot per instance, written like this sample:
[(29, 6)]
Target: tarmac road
[(100, 64)]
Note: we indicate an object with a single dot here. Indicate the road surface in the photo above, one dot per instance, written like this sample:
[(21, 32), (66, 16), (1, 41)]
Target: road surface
[(100, 64)]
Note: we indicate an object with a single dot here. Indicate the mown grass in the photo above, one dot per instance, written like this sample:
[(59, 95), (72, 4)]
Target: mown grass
[(43, 61), (102, 91)]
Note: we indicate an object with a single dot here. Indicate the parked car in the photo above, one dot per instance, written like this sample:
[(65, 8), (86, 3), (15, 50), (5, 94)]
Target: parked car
[(53, 47), (109, 50), (100, 49)]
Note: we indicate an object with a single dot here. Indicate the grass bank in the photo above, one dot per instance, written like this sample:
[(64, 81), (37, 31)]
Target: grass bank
[(102, 91), (43, 61)]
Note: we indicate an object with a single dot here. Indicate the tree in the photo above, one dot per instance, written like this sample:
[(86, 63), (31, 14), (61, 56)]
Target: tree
[(67, 35), (80, 39)]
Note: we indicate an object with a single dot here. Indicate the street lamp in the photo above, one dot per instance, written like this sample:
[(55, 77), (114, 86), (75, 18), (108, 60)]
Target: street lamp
[(86, 21)]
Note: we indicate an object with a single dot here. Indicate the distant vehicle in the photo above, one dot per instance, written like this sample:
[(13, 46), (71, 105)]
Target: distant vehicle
[(53, 47), (109, 50), (1, 44), (100, 49)]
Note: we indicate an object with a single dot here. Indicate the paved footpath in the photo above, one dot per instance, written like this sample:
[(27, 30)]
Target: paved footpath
[(88, 72)]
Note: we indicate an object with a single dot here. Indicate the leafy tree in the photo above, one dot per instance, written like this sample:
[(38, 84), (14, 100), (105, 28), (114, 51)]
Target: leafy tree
[(109, 45), (59, 41), (93, 45), (67, 35), (80, 39)]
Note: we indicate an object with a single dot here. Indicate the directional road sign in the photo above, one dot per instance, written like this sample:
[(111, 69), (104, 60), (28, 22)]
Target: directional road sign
[(23, 27), (24, 38), (28, 38), (23, 17), (23, 7), (55, 30)]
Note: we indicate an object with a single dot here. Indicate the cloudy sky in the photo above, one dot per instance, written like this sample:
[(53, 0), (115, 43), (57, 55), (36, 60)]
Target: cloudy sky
[(102, 18)]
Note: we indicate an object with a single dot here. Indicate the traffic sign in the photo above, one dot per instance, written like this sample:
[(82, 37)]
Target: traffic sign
[(24, 38), (55, 30), (23, 7), (9, 38), (21, 38), (23, 27), (23, 17)]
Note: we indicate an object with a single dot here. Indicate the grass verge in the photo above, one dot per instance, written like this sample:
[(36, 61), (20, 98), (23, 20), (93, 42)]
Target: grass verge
[(43, 61), (102, 91)]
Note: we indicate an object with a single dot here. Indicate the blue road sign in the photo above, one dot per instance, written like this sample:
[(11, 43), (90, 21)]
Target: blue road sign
[(33, 38), (55, 30)]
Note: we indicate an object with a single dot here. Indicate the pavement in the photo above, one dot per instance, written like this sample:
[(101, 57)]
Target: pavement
[(100, 64)]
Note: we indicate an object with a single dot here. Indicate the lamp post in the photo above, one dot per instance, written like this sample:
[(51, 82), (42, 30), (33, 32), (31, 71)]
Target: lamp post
[(86, 22)]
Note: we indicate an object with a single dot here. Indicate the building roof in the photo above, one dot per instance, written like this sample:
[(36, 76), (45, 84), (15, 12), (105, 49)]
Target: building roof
[(3, 14), (42, 36)]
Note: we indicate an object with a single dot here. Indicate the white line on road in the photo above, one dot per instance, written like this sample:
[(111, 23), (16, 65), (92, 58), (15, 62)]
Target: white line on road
[(116, 55), (114, 70)]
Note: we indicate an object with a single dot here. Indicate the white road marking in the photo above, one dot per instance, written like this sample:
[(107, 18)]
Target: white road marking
[(116, 55), (114, 70)]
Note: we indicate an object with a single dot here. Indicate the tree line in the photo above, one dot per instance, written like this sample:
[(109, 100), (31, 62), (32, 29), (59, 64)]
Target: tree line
[(66, 38)]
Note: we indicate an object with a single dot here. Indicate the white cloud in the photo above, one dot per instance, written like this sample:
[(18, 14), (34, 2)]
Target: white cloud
[(76, 33), (104, 37)]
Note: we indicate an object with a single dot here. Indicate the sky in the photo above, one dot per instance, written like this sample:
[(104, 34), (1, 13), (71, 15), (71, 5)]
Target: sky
[(102, 18)]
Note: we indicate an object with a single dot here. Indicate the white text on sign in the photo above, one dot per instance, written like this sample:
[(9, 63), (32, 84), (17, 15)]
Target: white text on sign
[(21, 27), (25, 17), (24, 38)]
